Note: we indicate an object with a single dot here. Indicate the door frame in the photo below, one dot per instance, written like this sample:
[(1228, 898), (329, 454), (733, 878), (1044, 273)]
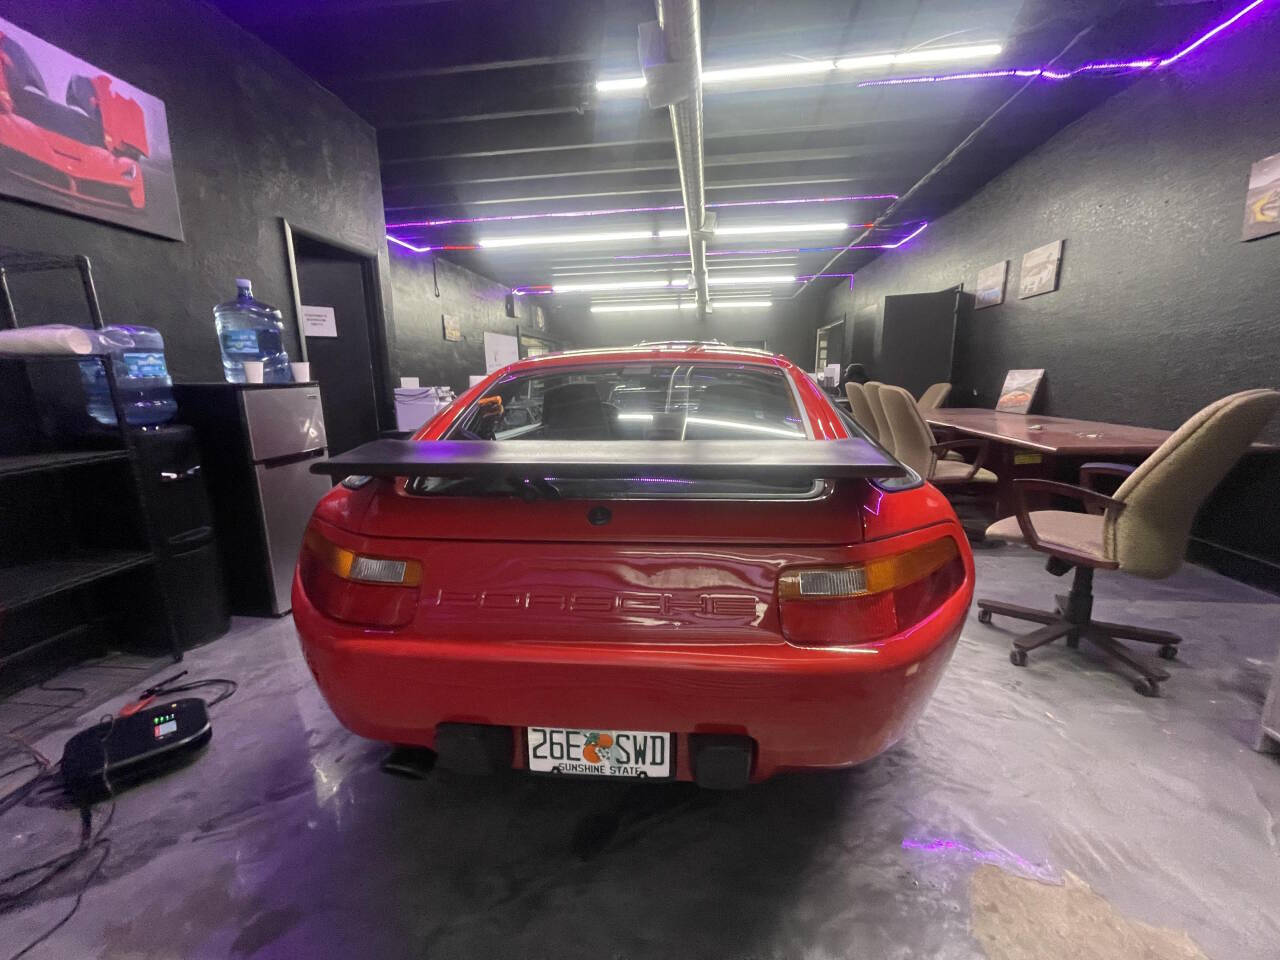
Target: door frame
[(379, 348), (817, 338)]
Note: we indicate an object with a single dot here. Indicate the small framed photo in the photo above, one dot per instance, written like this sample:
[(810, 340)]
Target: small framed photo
[(991, 282), (1262, 202), (1040, 269), (452, 327)]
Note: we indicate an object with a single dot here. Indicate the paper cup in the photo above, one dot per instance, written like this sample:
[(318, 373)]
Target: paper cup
[(301, 372), (253, 371)]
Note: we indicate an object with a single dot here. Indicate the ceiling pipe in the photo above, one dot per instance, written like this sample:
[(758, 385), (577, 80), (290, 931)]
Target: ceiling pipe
[(671, 59)]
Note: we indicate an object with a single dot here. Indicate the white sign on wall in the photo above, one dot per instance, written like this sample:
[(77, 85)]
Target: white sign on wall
[(499, 350), (319, 321)]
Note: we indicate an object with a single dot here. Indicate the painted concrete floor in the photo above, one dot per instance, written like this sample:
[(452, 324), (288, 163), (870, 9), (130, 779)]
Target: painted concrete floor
[(1029, 810)]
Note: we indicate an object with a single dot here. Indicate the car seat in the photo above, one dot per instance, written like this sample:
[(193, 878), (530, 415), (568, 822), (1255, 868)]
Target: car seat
[(574, 411)]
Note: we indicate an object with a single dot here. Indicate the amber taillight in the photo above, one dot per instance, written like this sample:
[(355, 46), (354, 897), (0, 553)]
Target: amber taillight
[(866, 602), (365, 590)]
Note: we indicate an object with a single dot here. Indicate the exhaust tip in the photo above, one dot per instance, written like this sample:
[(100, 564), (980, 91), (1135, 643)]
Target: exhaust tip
[(411, 763)]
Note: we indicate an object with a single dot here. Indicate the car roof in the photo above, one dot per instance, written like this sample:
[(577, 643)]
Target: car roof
[(663, 351)]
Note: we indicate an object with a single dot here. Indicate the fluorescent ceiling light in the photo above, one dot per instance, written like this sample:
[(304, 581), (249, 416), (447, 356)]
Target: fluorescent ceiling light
[(544, 239), (620, 83), (737, 281), (740, 425), (776, 228), (731, 424), (675, 305), (767, 71), (975, 51), (802, 68), (642, 307), (652, 284)]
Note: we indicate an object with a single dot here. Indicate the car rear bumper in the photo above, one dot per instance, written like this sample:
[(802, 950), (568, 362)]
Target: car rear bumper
[(803, 708)]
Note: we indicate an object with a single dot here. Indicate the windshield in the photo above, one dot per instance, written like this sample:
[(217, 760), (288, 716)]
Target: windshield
[(635, 401)]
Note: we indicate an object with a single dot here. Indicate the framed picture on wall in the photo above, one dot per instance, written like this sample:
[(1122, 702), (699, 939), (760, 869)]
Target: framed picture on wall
[(991, 281), (1040, 269), (1019, 390), (452, 326), (81, 140), (1262, 202)]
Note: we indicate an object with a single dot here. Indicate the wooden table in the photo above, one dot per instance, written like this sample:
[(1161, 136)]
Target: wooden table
[(1052, 448), (1058, 436)]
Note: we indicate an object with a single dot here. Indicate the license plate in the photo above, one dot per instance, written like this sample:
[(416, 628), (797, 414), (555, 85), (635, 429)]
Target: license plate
[(600, 753)]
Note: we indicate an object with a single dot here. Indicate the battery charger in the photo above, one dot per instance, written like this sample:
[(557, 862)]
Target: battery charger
[(124, 751)]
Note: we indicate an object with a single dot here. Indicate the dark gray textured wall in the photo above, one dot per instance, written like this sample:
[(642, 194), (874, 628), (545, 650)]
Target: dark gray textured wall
[(479, 304), (253, 139), (788, 326), (1161, 308)]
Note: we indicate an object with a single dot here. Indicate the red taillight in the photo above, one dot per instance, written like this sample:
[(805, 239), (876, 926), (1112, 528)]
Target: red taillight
[(863, 603), (370, 591)]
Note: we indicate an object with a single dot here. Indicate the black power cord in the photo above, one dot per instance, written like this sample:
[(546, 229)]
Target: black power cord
[(91, 841)]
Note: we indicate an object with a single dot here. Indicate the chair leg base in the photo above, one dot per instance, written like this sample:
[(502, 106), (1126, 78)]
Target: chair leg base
[(1103, 635)]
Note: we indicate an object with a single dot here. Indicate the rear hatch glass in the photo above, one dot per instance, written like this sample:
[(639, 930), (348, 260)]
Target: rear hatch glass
[(637, 401)]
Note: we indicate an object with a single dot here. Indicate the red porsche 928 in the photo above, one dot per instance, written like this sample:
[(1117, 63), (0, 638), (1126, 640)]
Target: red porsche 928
[(673, 560)]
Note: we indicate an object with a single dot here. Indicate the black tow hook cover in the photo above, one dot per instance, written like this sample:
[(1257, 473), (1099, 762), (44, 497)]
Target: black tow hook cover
[(473, 748), (599, 516), (721, 761)]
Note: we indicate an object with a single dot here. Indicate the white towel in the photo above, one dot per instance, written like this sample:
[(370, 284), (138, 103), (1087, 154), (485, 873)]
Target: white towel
[(51, 338)]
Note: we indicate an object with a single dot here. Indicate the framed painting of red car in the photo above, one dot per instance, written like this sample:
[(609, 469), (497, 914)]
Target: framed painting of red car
[(76, 138)]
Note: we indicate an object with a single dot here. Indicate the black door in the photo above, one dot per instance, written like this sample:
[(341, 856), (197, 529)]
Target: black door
[(917, 339), (343, 365)]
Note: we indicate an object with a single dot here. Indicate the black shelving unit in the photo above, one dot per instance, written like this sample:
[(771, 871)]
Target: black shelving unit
[(55, 481)]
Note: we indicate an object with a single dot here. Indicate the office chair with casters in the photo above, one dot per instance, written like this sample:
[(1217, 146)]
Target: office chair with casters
[(860, 408), (934, 397), (914, 444), (1141, 529)]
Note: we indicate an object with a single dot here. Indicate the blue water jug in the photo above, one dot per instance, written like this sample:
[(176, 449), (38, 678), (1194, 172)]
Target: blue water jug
[(142, 377), (249, 329)]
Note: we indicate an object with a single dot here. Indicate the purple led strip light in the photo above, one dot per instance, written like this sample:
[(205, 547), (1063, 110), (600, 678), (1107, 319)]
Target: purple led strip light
[(1151, 63), (621, 210)]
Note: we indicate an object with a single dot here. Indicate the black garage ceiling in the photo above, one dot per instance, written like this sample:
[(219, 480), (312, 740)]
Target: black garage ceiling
[(489, 110)]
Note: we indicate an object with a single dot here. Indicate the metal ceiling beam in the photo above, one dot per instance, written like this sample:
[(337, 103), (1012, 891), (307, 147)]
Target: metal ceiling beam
[(623, 163), (483, 143), (681, 25), (869, 182), (493, 65)]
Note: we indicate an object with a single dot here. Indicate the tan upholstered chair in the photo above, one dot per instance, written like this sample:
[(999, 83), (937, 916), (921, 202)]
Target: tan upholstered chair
[(915, 446), (934, 397), (883, 432), (1141, 529), (860, 408)]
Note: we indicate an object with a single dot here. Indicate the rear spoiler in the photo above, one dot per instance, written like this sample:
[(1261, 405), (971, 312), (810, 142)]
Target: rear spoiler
[(765, 460)]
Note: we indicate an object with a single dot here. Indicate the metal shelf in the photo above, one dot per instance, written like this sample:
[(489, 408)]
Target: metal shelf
[(27, 583), (44, 462)]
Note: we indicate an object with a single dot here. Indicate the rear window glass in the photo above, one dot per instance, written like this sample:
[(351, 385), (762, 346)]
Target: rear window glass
[(672, 401), (641, 401)]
